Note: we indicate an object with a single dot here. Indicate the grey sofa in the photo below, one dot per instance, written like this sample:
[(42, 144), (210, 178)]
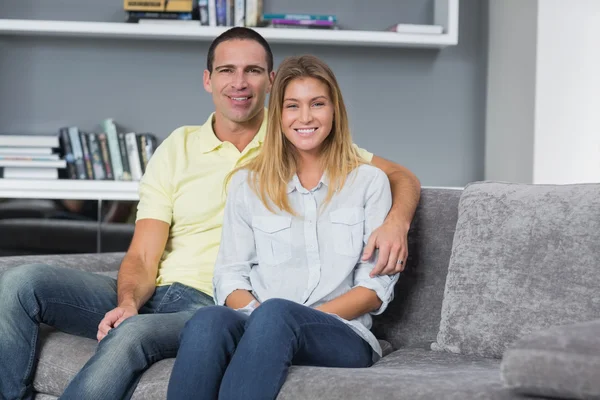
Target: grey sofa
[(500, 300)]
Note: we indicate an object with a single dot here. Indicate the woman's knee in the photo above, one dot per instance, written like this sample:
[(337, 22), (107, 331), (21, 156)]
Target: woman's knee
[(211, 321), (275, 310)]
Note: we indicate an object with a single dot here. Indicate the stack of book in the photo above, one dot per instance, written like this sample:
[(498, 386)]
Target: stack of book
[(196, 12), (30, 157), (107, 154), (296, 21), (161, 11)]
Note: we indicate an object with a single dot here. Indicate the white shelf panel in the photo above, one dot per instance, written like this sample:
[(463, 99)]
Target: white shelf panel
[(69, 189), (203, 33)]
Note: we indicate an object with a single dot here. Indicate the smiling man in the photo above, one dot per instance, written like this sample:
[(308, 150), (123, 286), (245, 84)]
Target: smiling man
[(166, 274)]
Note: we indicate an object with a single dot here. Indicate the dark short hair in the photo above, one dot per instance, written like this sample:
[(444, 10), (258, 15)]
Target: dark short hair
[(240, 33)]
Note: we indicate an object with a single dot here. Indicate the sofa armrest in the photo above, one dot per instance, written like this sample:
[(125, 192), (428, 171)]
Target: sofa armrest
[(96, 262), (562, 361)]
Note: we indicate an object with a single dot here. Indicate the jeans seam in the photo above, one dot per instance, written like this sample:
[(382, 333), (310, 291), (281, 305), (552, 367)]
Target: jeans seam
[(64, 303), (29, 370)]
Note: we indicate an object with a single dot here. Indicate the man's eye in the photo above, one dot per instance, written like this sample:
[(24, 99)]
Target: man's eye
[(255, 71), (225, 70)]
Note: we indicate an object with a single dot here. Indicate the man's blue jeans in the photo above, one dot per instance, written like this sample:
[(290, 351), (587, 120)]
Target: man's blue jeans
[(75, 302), (226, 355)]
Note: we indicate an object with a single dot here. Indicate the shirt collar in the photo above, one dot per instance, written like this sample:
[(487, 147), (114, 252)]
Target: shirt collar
[(209, 141), (295, 184)]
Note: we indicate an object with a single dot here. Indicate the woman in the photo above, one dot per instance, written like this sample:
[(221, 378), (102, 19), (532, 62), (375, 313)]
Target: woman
[(289, 284)]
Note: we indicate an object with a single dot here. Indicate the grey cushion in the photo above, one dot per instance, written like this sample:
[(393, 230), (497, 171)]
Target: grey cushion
[(411, 374), (412, 319), (94, 262), (524, 257), (559, 362), (62, 356)]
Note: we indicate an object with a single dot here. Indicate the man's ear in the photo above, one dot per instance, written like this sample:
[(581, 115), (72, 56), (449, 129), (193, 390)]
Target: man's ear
[(206, 81), (271, 79)]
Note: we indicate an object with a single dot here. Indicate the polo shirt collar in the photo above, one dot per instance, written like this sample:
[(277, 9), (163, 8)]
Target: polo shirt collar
[(208, 141)]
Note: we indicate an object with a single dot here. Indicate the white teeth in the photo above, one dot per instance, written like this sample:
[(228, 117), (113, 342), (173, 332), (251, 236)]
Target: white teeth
[(240, 98), (305, 130)]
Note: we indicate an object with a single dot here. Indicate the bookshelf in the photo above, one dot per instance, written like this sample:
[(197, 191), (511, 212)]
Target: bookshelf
[(69, 189), (445, 15)]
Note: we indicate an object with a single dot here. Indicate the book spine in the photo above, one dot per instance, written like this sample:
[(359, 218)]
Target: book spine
[(239, 13), (67, 149), (133, 155), (113, 145), (96, 157), (87, 158), (253, 12), (221, 12), (106, 156), (78, 152), (212, 12), (203, 12), (124, 157)]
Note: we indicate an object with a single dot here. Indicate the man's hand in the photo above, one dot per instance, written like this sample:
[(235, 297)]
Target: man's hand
[(391, 240), (113, 318)]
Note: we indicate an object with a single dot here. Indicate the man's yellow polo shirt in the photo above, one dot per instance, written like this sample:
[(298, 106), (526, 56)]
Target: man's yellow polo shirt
[(183, 186)]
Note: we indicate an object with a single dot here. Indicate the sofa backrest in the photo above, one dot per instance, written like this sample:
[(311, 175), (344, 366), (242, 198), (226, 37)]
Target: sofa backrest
[(412, 319)]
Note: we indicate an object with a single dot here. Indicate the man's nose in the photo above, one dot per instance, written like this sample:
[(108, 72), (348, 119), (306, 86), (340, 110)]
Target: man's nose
[(239, 81)]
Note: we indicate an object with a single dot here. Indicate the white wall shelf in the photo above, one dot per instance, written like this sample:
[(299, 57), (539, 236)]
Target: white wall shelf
[(445, 15), (69, 189)]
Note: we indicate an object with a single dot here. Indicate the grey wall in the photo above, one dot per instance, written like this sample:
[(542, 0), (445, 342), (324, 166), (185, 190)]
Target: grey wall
[(421, 108)]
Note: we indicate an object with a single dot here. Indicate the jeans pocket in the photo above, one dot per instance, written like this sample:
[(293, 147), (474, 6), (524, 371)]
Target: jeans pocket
[(273, 236), (347, 226)]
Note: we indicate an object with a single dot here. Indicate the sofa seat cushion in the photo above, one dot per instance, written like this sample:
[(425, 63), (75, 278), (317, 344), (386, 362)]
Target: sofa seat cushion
[(562, 362), (524, 258), (62, 356), (411, 374)]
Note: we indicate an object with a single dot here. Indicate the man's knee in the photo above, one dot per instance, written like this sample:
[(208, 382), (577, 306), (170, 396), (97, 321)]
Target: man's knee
[(22, 280)]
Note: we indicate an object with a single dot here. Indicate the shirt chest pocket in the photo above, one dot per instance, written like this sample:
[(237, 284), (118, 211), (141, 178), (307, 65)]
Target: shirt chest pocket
[(347, 225), (273, 237)]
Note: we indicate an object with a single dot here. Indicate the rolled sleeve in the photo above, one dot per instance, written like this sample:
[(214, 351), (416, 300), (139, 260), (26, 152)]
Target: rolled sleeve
[(377, 207), (237, 252), (156, 188), (383, 285)]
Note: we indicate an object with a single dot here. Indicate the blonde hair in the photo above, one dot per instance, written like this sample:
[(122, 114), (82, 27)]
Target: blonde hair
[(275, 165)]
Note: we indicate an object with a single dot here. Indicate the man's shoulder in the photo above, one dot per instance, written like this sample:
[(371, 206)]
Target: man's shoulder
[(370, 175), (182, 132)]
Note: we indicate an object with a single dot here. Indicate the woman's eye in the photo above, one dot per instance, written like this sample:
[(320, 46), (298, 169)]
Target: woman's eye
[(291, 106), (320, 104)]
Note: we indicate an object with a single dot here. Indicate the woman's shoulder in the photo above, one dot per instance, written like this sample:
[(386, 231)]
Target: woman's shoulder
[(238, 180)]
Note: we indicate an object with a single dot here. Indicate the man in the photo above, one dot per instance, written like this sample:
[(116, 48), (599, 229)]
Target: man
[(167, 272)]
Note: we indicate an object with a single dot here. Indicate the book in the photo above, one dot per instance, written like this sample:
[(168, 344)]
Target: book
[(300, 17), (416, 29), (26, 150), (26, 140), (28, 173)]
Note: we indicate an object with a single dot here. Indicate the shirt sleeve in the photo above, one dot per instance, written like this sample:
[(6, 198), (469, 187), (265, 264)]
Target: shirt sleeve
[(156, 188), (377, 206), (237, 252), (364, 154)]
